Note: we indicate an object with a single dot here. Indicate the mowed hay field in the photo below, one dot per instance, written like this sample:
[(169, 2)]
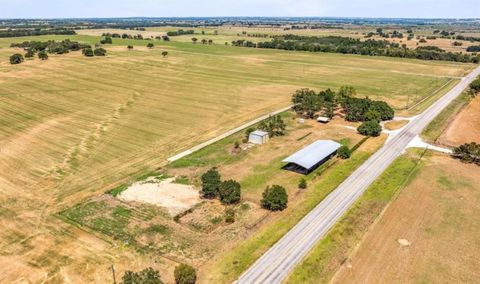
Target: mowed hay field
[(438, 213), (73, 127)]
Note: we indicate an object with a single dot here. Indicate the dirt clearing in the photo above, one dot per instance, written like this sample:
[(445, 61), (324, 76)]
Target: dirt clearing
[(428, 235), (175, 197), (465, 128)]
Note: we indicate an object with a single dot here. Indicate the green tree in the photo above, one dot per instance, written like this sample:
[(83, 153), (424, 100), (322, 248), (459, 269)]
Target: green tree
[(344, 152), (164, 53), (302, 184), (88, 52), (99, 52), (107, 40), (275, 198), (210, 41), (370, 128), (468, 152), (210, 183), (16, 59), (130, 47), (194, 40), (146, 276), (30, 53), (274, 125), (43, 55), (204, 41), (230, 192), (372, 115), (307, 102), (150, 45), (185, 274), (345, 93)]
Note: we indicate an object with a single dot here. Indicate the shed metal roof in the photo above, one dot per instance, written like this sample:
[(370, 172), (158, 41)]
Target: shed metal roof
[(313, 153), (259, 133)]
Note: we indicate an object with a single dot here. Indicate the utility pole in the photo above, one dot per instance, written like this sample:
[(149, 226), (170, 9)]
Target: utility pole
[(113, 273)]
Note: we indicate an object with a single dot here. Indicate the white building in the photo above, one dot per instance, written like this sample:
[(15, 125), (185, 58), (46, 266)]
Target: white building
[(258, 137)]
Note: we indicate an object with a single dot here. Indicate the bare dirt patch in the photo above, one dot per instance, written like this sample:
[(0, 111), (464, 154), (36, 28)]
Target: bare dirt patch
[(465, 127), (437, 218), (175, 197)]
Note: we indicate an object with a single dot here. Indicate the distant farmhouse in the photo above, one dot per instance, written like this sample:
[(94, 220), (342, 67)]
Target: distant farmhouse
[(312, 156)]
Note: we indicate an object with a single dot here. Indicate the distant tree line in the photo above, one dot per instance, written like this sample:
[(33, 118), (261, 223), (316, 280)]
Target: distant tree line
[(35, 32), (180, 32), (43, 48), (347, 45), (473, 48)]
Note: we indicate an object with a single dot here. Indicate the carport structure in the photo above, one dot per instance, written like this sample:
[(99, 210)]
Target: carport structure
[(311, 157)]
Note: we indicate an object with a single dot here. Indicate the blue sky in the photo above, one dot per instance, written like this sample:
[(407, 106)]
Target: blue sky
[(184, 8)]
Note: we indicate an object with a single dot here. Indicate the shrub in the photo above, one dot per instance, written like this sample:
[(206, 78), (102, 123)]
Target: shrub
[(370, 128), (164, 53), (275, 198), (88, 52), (148, 275), (100, 52), (230, 215), (130, 47), (42, 55), (107, 40), (302, 184), (469, 153), (210, 183), (16, 59), (230, 192), (343, 152), (185, 274), (30, 53), (150, 45)]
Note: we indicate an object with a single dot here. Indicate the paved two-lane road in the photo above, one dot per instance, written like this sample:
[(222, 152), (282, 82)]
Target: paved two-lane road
[(275, 265)]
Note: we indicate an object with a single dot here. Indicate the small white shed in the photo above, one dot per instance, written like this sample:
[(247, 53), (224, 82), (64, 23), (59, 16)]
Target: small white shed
[(258, 137), (323, 119)]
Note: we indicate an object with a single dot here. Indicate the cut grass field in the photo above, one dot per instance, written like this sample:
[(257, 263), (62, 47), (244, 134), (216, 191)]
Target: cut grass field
[(74, 127), (438, 214)]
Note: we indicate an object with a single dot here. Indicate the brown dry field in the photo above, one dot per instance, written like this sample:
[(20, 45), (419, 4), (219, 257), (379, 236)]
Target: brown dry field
[(395, 124), (465, 128), (439, 214)]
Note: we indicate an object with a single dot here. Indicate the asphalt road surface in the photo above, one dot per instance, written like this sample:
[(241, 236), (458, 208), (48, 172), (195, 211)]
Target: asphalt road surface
[(275, 265)]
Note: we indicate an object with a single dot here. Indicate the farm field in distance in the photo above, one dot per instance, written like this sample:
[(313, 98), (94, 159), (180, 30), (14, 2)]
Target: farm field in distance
[(73, 127)]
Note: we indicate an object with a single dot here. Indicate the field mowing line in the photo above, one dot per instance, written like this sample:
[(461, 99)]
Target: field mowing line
[(225, 135)]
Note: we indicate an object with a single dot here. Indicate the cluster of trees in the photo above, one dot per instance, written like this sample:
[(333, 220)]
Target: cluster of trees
[(467, 38), (180, 32), (346, 45), (469, 153), (204, 41), (43, 48), (274, 125), (89, 52), (394, 34), (35, 32), (228, 191), (309, 104), (183, 273)]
